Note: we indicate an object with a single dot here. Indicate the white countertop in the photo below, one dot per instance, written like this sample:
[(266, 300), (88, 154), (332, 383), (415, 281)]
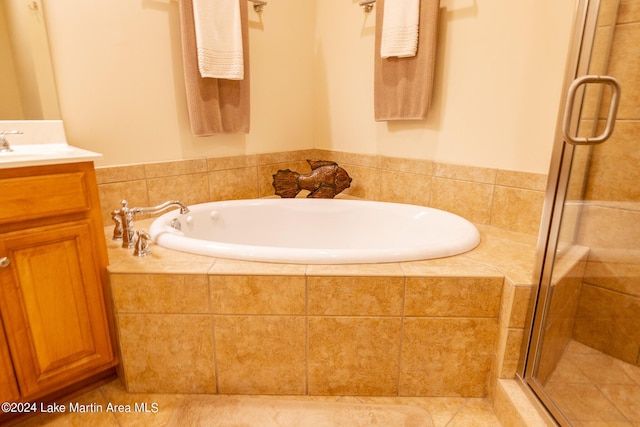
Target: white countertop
[(44, 154), (42, 142)]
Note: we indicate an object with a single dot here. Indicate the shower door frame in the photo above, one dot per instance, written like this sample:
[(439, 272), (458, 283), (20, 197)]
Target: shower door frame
[(578, 60)]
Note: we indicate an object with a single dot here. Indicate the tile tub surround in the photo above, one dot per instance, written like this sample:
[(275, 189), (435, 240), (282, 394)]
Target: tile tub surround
[(445, 327), (509, 200)]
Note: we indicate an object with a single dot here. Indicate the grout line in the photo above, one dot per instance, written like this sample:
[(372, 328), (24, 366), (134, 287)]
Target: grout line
[(401, 337), (306, 335)]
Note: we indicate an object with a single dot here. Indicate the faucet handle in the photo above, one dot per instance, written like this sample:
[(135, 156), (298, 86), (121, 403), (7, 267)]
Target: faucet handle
[(118, 231), (142, 244)]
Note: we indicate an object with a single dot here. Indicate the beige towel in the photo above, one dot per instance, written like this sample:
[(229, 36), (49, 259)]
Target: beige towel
[(400, 28), (215, 106), (219, 38), (403, 86)]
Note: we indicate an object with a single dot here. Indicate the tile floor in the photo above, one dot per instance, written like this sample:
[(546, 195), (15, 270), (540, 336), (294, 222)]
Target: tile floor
[(594, 389), (445, 411)]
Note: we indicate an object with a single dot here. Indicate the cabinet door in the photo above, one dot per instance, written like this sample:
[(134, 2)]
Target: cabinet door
[(52, 305), (8, 387)]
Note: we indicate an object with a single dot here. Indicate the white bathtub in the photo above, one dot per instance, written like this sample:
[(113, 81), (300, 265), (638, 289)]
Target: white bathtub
[(316, 231)]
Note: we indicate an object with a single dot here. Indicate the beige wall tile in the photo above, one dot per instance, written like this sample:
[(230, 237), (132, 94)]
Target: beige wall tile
[(347, 160), (629, 11), (254, 268), (250, 268), (355, 296), (517, 209), (231, 162), (261, 354), (258, 294), (470, 200), (608, 227), (508, 351), (453, 296), (614, 165), (352, 270), (353, 356), (189, 189), (135, 192), (515, 304), (557, 334), (401, 187), (455, 266), (617, 275), (365, 182), (447, 356), (465, 173), (525, 180), (181, 167), (233, 184), (413, 166), (296, 156), (623, 64), (608, 321), (167, 353), (160, 293), (107, 175)]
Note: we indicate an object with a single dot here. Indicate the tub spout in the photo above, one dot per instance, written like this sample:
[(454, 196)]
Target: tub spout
[(123, 218), (162, 207)]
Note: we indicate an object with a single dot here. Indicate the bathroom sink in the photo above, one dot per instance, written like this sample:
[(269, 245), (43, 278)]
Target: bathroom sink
[(43, 154)]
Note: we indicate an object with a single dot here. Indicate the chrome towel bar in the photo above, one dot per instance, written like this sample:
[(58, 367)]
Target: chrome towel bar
[(367, 5), (258, 5)]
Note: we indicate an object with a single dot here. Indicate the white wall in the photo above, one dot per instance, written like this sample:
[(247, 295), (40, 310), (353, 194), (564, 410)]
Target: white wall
[(499, 73), (498, 79), (119, 70)]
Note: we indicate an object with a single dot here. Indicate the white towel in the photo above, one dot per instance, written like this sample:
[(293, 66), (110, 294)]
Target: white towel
[(219, 38), (400, 28)]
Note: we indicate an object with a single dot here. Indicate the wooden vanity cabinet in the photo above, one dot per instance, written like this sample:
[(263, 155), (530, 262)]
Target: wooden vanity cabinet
[(53, 303), (8, 386)]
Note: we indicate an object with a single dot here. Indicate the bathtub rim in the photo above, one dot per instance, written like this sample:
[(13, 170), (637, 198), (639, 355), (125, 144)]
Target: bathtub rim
[(168, 238)]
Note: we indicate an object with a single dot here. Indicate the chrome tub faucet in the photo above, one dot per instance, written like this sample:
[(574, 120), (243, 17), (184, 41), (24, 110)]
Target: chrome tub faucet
[(123, 219)]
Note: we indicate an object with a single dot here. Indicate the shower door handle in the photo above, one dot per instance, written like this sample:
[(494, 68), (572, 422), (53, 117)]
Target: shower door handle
[(611, 117)]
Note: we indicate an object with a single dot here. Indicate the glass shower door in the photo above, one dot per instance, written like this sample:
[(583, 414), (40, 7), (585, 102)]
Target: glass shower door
[(583, 359)]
